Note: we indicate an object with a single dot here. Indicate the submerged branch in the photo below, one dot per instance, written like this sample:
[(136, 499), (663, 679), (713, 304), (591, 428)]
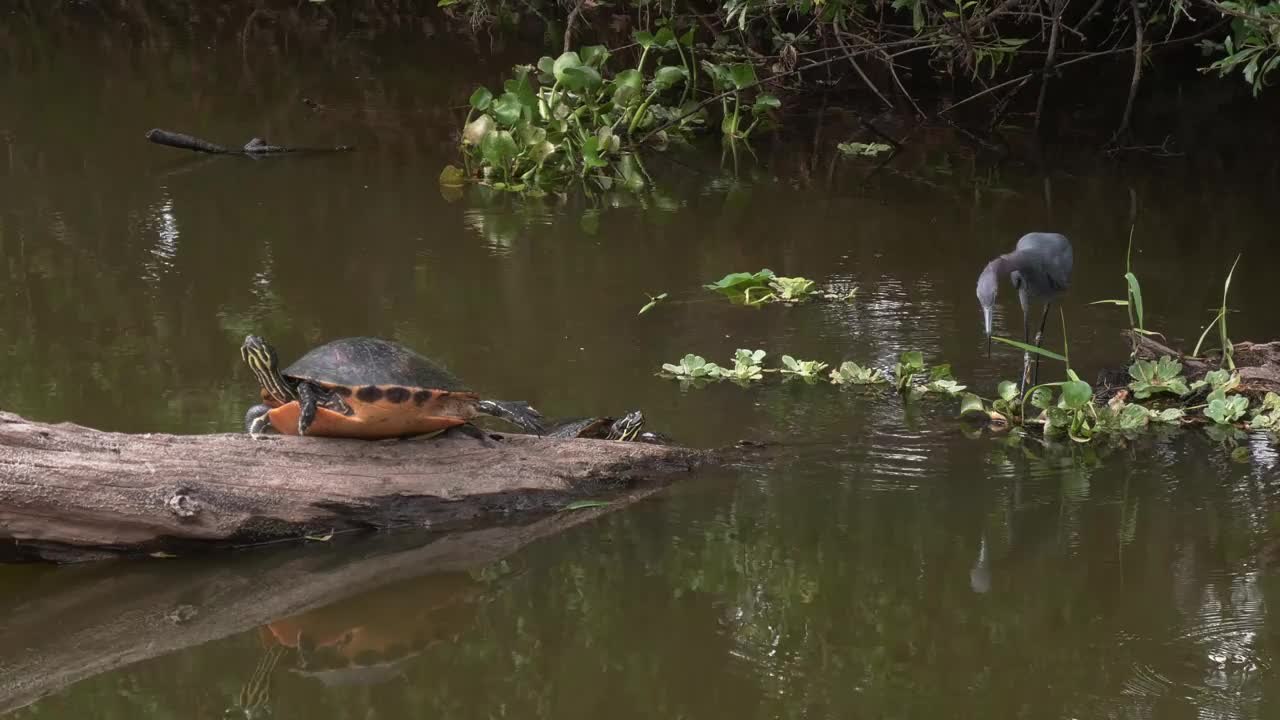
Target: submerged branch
[(254, 147)]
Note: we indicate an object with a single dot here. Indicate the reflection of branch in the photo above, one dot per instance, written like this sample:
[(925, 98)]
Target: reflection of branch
[(1137, 68), (256, 146)]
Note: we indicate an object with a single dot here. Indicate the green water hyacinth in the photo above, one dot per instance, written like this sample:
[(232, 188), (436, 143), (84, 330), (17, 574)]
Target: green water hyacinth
[(692, 367), (851, 373), (806, 369), (568, 118), (1267, 415), (1153, 377), (910, 364), (747, 367), (1225, 410)]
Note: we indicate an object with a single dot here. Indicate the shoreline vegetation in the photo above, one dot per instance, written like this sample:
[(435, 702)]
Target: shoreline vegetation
[(588, 113)]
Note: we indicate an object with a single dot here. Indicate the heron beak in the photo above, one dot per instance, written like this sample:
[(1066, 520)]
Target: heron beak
[(986, 324)]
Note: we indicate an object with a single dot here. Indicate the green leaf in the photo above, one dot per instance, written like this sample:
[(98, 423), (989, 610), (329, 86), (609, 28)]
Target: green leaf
[(1135, 294), (498, 148), (452, 176), (913, 359), (581, 77), (664, 37), (1007, 390), (591, 154), (1076, 394), (507, 108), (564, 62), (1111, 302), (1133, 417), (595, 55), (687, 38), (1168, 415), (765, 102), (742, 75), (1041, 397), (644, 38), (627, 86), (739, 282), (476, 130), (481, 98), (1030, 348), (864, 149), (632, 178), (971, 404), (546, 66), (653, 301), (669, 75)]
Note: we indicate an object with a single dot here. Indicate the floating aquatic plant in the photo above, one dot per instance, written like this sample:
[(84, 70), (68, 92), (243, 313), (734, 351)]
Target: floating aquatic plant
[(1164, 375), (806, 369), (851, 373), (863, 149), (747, 367), (692, 367)]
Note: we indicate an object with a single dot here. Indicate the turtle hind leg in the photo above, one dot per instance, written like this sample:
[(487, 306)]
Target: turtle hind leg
[(472, 431), (257, 421), (513, 411)]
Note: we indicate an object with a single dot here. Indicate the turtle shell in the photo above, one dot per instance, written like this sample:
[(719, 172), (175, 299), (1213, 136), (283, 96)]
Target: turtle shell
[(366, 361), (391, 391), (582, 428)]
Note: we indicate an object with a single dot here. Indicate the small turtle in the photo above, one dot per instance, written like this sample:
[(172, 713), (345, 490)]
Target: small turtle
[(624, 429), (364, 387)]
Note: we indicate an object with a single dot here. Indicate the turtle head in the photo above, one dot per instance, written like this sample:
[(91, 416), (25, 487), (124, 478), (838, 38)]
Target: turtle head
[(627, 427), (262, 360)]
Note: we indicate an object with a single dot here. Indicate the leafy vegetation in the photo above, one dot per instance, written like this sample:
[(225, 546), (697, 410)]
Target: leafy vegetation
[(806, 369), (1164, 375), (863, 149), (764, 286), (581, 117), (851, 373), (910, 364), (653, 302)]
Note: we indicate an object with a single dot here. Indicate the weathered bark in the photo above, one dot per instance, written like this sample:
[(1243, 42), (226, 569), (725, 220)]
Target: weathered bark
[(72, 493), (79, 622), (254, 147)]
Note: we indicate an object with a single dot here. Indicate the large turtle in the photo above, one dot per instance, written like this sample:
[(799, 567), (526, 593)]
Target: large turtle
[(365, 387), (628, 428)]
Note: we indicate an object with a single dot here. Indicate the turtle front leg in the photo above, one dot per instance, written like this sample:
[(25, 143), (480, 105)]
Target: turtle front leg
[(307, 401)]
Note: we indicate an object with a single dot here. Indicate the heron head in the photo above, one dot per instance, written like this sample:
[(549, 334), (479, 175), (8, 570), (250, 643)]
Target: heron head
[(987, 293)]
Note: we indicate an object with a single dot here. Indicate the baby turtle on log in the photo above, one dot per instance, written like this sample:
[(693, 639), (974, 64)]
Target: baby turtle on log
[(625, 429), (368, 388)]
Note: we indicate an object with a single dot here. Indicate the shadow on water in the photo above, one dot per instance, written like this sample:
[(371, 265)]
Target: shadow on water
[(888, 561)]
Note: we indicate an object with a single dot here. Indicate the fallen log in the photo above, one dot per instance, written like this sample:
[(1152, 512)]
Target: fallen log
[(254, 148), (1257, 363), (80, 622), (71, 493)]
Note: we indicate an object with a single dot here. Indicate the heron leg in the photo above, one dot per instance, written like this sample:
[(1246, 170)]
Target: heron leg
[(1035, 378), (1026, 354)]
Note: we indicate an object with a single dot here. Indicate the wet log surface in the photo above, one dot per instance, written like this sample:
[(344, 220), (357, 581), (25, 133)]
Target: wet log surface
[(68, 624), (1257, 363), (71, 493)]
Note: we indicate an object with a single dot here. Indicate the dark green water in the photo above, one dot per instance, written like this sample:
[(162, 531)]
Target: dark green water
[(886, 563)]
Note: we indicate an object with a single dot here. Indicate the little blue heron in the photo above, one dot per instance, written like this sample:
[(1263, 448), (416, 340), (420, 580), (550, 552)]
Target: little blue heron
[(1040, 269)]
